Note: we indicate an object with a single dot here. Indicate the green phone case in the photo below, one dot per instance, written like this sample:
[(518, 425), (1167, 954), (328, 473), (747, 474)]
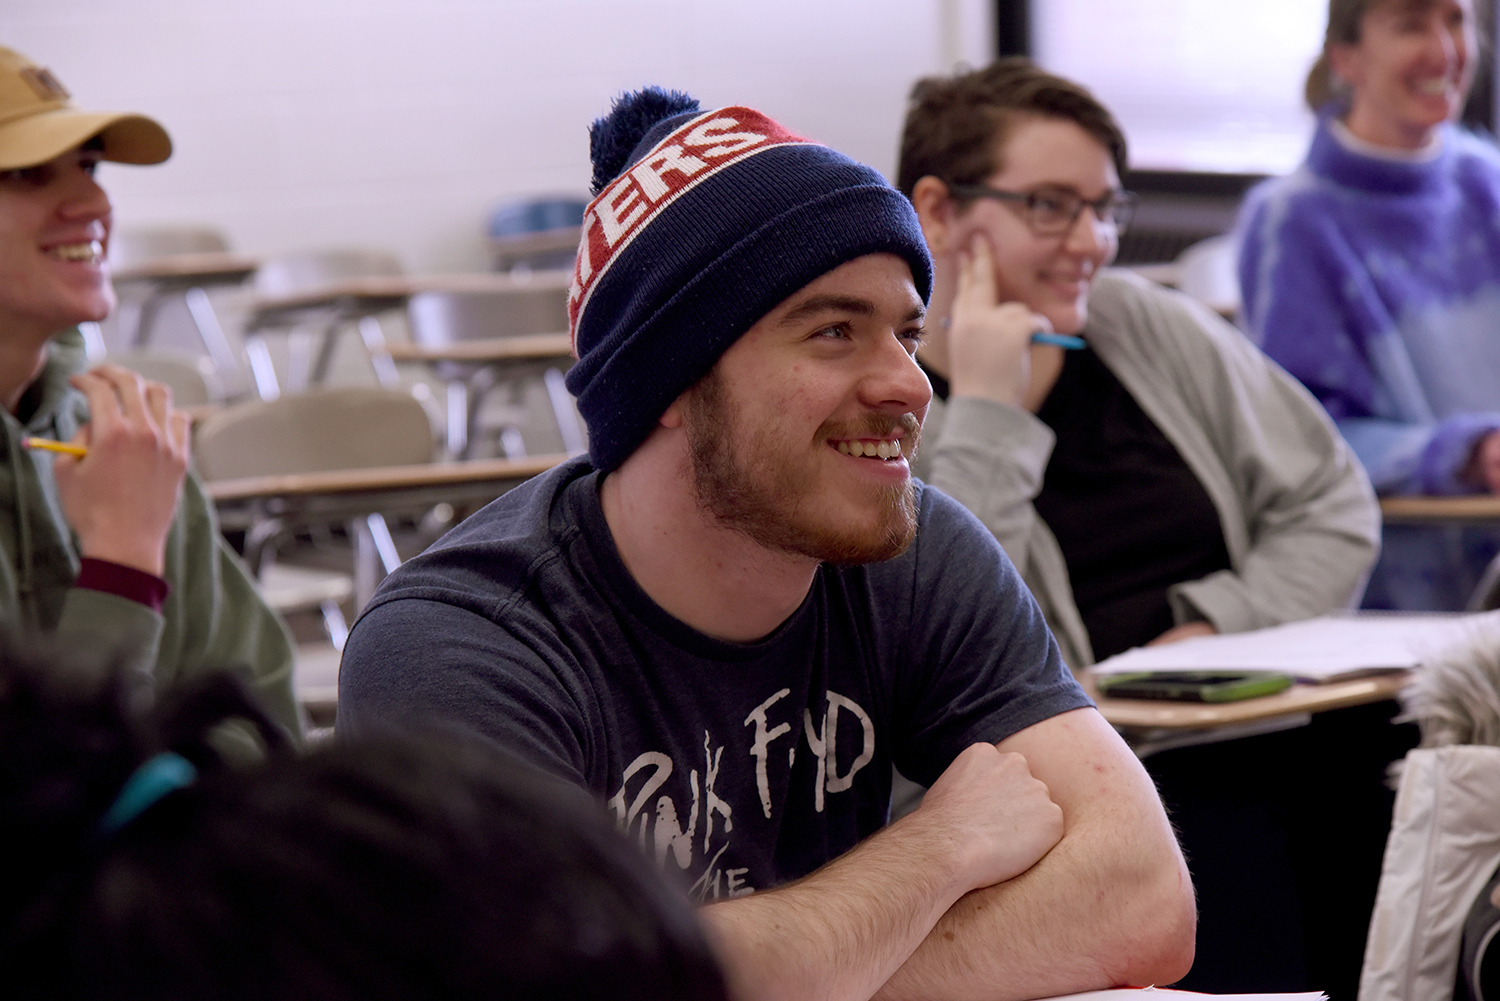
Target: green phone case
[(1193, 686)]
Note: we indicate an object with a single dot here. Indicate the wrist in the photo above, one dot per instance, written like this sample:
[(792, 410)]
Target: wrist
[(1007, 391), (928, 836), (123, 581), (134, 554)]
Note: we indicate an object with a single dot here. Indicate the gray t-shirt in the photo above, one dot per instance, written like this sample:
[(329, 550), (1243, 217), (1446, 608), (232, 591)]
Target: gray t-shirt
[(745, 765)]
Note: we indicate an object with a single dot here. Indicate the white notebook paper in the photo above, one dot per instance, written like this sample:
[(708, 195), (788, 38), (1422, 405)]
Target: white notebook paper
[(1329, 648)]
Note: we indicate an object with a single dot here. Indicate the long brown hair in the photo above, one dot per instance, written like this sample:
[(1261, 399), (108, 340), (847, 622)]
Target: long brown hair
[(1344, 20)]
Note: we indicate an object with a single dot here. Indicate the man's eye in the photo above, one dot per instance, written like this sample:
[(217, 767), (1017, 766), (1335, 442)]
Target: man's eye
[(914, 339), (838, 331)]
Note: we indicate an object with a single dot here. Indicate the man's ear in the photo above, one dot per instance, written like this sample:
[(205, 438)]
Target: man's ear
[(937, 213), (672, 416)]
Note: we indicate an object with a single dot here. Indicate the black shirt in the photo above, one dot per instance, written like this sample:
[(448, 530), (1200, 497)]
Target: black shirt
[(1129, 515)]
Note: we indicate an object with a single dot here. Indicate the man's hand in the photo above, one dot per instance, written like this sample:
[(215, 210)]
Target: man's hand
[(995, 812), (1186, 631), (121, 497), (989, 342)]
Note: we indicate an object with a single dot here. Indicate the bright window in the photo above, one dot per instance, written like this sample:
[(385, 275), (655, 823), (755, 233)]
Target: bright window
[(1202, 85)]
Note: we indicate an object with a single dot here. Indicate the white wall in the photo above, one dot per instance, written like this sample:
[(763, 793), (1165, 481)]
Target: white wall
[(303, 123)]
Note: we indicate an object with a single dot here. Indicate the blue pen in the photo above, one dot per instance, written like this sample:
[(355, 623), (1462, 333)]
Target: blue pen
[(1060, 340)]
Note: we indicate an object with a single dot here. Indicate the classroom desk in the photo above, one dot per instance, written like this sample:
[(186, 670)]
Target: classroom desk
[(1281, 807), (529, 347), (1151, 725), (263, 505), (358, 301), (186, 275), (404, 487), (1470, 509)]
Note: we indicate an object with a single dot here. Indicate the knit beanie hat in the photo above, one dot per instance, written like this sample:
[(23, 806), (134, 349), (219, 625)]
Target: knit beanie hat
[(705, 221)]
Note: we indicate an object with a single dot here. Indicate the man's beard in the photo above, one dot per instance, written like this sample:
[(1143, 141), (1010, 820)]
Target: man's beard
[(741, 479)]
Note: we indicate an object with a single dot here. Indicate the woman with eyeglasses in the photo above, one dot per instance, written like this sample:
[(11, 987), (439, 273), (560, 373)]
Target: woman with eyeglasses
[(1372, 273), (1150, 474)]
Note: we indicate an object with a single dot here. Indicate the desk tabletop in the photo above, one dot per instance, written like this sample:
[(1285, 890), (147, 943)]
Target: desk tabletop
[(382, 479), (528, 347), (1297, 700), (207, 266), (1468, 509), (395, 289)]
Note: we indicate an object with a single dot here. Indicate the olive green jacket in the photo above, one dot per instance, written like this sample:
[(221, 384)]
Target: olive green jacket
[(212, 619)]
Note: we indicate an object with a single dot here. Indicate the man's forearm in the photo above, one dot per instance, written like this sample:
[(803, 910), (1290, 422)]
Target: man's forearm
[(841, 932), (1111, 904)]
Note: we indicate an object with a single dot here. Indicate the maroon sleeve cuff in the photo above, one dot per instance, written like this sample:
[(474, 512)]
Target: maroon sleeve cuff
[(126, 582)]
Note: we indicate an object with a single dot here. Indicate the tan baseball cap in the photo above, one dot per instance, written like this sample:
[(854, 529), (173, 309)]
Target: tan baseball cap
[(38, 122)]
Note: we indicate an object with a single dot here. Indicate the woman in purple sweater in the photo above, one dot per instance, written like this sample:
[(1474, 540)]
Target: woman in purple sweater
[(1372, 274)]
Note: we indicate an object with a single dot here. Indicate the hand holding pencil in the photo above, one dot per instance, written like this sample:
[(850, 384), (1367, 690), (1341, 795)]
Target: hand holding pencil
[(120, 495), (48, 445)]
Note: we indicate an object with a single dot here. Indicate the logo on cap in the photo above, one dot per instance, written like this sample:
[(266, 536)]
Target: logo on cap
[(47, 86), (694, 153)]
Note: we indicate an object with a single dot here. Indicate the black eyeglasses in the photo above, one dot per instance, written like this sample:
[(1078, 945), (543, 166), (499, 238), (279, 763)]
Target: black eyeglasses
[(1053, 211)]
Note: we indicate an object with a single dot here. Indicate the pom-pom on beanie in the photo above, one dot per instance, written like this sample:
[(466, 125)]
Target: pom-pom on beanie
[(705, 221)]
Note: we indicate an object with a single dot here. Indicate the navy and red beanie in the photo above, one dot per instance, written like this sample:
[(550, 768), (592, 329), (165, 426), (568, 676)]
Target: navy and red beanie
[(703, 222)]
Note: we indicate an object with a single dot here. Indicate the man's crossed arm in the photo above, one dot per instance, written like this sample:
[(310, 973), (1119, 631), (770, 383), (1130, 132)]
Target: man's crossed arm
[(1042, 865)]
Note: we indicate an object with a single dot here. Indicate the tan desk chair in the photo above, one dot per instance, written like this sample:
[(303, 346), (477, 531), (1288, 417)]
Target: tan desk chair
[(535, 304), (331, 429), (192, 378), (153, 266), (313, 331)]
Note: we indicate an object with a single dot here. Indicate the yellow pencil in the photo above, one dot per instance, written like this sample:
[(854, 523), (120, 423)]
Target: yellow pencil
[(54, 446)]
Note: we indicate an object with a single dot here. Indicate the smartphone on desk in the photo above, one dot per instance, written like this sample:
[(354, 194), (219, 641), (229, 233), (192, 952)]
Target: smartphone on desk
[(1193, 686)]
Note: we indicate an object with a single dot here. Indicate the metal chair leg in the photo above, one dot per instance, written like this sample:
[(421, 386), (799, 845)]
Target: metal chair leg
[(262, 372), (210, 331), (372, 543), (564, 410), (1486, 594), (380, 358)]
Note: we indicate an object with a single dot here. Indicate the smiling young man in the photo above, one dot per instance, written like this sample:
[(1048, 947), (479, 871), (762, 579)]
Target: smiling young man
[(735, 615), (116, 553)]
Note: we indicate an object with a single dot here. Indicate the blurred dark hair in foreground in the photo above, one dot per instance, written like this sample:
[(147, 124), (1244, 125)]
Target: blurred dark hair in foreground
[(378, 869)]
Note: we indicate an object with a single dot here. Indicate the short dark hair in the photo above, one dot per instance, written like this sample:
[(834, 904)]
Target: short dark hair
[(379, 869), (955, 125)]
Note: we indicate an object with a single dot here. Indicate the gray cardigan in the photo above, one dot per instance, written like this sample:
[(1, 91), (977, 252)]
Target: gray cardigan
[(1300, 521)]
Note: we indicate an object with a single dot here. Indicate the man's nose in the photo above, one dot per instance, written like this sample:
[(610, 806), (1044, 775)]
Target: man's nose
[(896, 383), (85, 199)]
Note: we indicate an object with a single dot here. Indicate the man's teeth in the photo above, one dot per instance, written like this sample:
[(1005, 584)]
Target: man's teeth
[(1439, 85), (871, 449), (91, 251)]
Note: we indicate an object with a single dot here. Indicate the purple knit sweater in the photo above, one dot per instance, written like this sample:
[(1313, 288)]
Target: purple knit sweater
[(1377, 284)]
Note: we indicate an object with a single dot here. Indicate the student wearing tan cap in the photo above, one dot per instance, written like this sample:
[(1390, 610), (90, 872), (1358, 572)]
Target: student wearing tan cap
[(115, 552)]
